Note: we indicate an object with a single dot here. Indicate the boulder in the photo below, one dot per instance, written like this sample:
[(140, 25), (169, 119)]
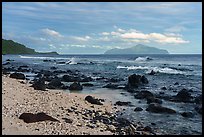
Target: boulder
[(17, 75), (111, 86), (46, 73), (144, 80), (55, 84), (153, 100), (30, 118), (39, 84), (187, 114), (138, 109), (152, 72), (75, 86), (144, 94), (92, 100), (184, 95), (135, 80), (163, 88), (120, 103), (68, 78), (157, 108)]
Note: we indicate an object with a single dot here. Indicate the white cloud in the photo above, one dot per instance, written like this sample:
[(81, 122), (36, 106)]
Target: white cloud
[(177, 28), (115, 33), (105, 33), (52, 46), (120, 30), (134, 35), (86, 38), (52, 33), (170, 38), (80, 46)]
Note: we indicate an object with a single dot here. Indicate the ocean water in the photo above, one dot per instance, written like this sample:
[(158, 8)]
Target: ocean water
[(184, 69)]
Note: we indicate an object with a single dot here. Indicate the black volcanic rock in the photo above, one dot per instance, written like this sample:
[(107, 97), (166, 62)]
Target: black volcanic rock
[(92, 100), (31, 118), (39, 84), (122, 103), (144, 94), (55, 84), (157, 108), (76, 86), (17, 75), (135, 80), (184, 95)]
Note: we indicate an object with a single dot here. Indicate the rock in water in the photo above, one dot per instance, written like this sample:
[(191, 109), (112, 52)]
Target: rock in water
[(39, 84), (187, 114), (135, 80), (92, 100), (55, 84), (120, 103), (152, 72), (138, 109), (17, 75), (144, 80), (75, 86), (184, 95), (144, 94), (157, 108), (30, 118)]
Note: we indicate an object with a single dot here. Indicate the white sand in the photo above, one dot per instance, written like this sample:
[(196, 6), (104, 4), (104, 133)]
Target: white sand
[(18, 98)]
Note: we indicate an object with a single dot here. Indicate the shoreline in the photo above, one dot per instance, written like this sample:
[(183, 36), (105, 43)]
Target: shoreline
[(27, 100), (18, 97)]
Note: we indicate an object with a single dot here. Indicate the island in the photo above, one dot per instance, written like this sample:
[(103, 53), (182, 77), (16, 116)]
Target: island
[(11, 47), (138, 49)]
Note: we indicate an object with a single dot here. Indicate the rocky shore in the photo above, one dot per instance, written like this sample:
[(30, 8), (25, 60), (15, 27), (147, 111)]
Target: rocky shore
[(55, 100), (28, 111)]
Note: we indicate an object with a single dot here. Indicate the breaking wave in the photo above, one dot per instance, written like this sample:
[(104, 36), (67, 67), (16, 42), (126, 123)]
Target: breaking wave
[(140, 59), (155, 69)]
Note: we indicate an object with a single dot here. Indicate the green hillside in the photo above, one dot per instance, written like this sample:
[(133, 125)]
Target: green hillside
[(11, 47)]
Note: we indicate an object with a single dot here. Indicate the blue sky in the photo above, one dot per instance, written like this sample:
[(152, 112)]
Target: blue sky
[(94, 27)]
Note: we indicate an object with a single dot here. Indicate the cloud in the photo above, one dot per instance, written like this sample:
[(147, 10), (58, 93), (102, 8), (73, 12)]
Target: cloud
[(105, 33), (176, 28), (133, 35), (52, 33), (86, 38)]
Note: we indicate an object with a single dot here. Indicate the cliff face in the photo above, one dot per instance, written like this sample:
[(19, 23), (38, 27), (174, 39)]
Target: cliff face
[(11, 47), (138, 49)]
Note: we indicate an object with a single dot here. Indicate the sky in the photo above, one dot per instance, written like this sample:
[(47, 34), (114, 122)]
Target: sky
[(95, 27)]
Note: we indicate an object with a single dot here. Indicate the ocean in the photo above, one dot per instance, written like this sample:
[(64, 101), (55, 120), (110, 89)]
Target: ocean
[(184, 69)]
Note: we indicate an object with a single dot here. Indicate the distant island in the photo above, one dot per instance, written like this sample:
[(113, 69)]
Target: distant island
[(11, 47), (138, 49)]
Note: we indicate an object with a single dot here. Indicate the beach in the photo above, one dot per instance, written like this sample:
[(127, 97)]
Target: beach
[(18, 97)]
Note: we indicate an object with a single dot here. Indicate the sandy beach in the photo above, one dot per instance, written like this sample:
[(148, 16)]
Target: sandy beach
[(18, 97)]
